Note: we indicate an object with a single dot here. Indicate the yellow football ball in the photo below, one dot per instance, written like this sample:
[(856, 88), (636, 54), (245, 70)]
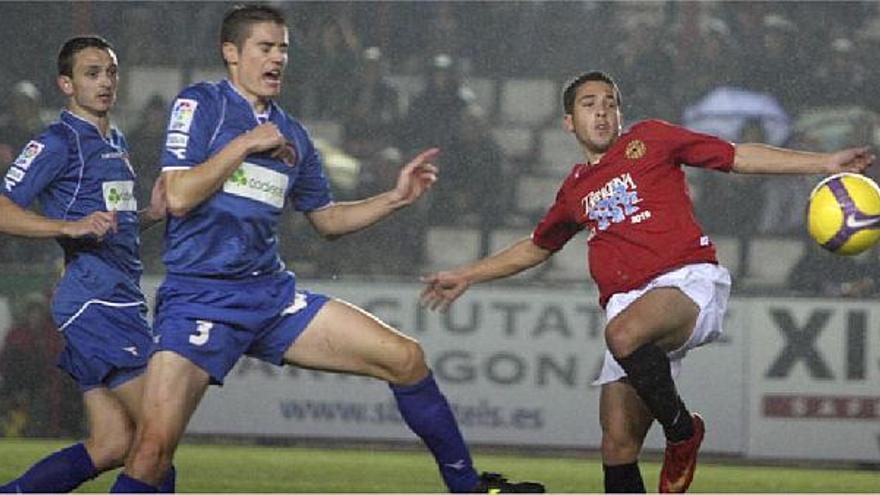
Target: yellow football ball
[(843, 214)]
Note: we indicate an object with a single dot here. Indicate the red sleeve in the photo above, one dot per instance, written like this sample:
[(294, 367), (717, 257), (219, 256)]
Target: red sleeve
[(557, 226), (695, 148)]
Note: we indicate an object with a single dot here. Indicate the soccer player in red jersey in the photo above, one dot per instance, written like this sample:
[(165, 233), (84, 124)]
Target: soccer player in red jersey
[(659, 280)]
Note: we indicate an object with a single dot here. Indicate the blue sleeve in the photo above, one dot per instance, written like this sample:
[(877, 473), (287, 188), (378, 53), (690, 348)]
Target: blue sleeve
[(39, 163), (311, 190), (194, 119)]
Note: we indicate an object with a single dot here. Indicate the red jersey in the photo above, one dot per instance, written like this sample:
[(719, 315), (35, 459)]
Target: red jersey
[(636, 206)]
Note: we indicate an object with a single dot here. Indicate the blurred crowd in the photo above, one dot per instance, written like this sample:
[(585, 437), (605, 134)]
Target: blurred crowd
[(376, 82)]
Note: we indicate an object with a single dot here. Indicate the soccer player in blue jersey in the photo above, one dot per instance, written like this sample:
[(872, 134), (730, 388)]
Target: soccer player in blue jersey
[(232, 160), (78, 170)]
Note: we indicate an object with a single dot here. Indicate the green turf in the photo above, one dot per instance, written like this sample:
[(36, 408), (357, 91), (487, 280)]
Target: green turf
[(235, 468)]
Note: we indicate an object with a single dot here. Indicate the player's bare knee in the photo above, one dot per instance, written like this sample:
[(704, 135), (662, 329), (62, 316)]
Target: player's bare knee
[(153, 451), (109, 451), (620, 337), (409, 364)]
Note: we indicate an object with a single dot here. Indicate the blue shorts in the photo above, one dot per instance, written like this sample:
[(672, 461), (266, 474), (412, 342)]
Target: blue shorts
[(214, 322), (106, 343)]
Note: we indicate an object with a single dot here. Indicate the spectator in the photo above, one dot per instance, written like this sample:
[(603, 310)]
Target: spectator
[(434, 113), (374, 114), (472, 170), (333, 57), (37, 399), (840, 76), (24, 115), (821, 274)]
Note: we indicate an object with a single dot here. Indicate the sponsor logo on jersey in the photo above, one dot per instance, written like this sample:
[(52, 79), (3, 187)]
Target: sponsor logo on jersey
[(27, 155), (258, 183), (119, 195), (636, 149), (176, 140), (110, 155), (182, 115), (613, 203)]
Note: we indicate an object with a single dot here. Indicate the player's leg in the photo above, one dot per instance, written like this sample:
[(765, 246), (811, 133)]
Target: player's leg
[(639, 338), (92, 358), (625, 421), (344, 338), (130, 394), (111, 429), (676, 312), (110, 432), (173, 389)]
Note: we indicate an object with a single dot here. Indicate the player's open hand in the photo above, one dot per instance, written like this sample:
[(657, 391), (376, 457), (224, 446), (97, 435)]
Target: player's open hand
[(97, 224), (416, 177), (442, 289), (851, 160)]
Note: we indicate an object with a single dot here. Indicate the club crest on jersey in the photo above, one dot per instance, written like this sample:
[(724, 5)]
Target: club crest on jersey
[(613, 203), (182, 115), (636, 149), (27, 155)]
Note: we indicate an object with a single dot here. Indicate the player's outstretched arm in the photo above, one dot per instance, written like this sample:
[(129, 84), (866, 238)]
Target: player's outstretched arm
[(414, 179), (443, 288), (753, 158), (16, 220), (186, 189)]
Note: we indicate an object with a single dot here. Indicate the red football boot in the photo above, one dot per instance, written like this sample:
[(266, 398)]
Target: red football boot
[(680, 460)]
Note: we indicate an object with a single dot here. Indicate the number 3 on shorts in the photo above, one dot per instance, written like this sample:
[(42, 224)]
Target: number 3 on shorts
[(203, 332)]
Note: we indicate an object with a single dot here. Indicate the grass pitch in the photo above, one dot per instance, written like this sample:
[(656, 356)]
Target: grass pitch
[(261, 469)]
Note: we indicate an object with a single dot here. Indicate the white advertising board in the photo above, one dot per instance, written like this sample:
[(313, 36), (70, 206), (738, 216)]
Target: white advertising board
[(814, 375)]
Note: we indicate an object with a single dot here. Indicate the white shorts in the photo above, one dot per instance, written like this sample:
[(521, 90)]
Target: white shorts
[(708, 285)]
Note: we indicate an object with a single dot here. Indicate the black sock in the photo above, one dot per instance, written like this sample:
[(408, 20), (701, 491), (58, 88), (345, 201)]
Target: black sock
[(625, 478), (647, 369)]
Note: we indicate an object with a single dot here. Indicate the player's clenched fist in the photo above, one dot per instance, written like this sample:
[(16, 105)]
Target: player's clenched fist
[(96, 224), (264, 137)]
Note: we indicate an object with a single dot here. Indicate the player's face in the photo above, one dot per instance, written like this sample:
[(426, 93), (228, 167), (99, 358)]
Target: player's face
[(257, 69), (92, 88), (595, 119)]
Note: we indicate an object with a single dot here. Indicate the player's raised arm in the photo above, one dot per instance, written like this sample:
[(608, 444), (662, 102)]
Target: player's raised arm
[(186, 189), (414, 179), (754, 158), (443, 288)]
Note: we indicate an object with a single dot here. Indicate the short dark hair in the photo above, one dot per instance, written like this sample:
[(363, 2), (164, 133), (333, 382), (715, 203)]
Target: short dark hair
[(237, 22), (572, 86), (75, 45)]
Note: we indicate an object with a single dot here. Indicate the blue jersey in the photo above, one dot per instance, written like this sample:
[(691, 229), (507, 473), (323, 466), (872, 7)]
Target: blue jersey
[(233, 234), (73, 171)]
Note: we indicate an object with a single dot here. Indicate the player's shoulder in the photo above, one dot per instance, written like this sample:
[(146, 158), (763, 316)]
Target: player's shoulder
[(649, 125), (204, 91), (55, 138)]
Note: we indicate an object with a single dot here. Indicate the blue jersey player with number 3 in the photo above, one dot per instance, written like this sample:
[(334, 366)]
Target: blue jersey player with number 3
[(232, 160), (78, 170)]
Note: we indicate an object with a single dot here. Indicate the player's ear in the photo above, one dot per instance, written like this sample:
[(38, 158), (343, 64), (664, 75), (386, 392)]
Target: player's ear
[(568, 123), (230, 52), (65, 84)]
